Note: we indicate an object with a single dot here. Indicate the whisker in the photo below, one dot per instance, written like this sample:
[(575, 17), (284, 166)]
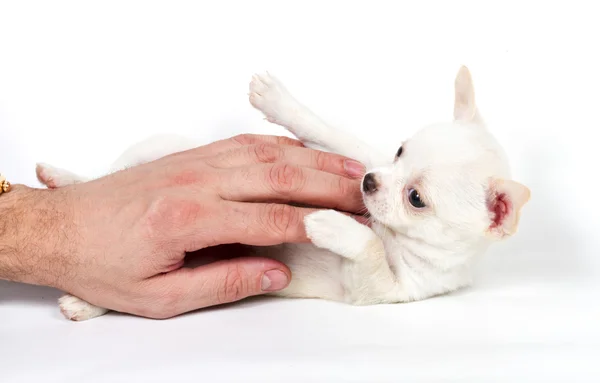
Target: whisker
[(363, 210)]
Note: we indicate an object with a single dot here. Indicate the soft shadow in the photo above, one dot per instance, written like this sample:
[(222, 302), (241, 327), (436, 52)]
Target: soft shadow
[(243, 304), (240, 305)]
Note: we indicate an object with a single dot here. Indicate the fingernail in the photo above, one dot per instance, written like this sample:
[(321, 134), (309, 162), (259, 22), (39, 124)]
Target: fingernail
[(354, 169), (274, 280)]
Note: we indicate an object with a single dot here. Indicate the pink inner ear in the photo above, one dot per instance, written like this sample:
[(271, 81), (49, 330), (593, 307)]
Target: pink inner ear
[(500, 207)]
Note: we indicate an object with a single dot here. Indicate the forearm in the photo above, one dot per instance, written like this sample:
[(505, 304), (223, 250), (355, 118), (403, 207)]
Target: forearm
[(30, 229)]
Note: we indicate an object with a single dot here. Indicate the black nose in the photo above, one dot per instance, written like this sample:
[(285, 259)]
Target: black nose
[(369, 184)]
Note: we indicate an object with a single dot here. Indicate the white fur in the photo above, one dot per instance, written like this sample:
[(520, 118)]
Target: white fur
[(409, 253), (77, 309)]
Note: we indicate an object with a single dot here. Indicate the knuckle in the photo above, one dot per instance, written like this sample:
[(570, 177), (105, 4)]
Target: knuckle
[(321, 159), (167, 213), (184, 177), (245, 139), (266, 153), (235, 285), (285, 178), (280, 219), (250, 139), (282, 140), (343, 187)]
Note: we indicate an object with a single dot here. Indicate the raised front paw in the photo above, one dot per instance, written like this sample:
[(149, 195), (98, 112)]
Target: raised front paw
[(268, 95), (336, 232)]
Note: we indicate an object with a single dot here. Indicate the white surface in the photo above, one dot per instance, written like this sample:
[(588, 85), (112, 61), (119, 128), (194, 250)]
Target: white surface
[(81, 82)]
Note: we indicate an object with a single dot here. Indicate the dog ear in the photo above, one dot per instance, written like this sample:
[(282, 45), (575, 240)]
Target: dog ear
[(465, 108), (505, 199)]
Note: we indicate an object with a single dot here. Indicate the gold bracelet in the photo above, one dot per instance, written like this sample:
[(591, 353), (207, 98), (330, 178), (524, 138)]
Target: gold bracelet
[(4, 185)]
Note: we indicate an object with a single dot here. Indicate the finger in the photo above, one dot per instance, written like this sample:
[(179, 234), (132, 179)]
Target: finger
[(251, 224), (263, 224), (266, 224), (244, 140), (282, 182), (263, 153), (217, 283)]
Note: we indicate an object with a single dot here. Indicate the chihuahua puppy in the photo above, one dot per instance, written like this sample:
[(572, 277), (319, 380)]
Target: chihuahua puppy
[(436, 206)]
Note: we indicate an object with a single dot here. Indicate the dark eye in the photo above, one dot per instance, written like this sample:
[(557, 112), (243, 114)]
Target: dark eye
[(399, 152), (415, 199)]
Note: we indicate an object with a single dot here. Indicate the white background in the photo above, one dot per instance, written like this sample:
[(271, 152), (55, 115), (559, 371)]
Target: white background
[(81, 80)]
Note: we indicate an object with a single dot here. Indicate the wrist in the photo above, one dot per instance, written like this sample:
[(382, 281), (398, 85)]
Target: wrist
[(29, 226)]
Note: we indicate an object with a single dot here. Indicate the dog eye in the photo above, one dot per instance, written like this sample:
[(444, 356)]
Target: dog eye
[(415, 199), (399, 152)]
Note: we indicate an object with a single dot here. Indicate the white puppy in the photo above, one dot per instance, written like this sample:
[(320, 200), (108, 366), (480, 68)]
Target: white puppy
[(436, 206)]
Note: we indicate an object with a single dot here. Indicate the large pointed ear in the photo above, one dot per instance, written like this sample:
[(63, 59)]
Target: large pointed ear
[(465, 108), (505, 200)]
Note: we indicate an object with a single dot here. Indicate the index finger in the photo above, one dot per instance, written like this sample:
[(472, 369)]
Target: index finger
[(264, 153), (291, 184)]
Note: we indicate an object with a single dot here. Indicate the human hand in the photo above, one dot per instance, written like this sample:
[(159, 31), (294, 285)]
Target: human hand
[(120, 241)]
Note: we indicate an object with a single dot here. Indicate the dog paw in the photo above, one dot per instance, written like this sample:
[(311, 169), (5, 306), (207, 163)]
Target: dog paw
[(53, 177), (268, 95), (47, 175), (76, 309), (334, 231)]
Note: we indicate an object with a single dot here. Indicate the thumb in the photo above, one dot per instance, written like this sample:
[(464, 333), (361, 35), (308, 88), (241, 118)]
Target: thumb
[(223, 282)]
